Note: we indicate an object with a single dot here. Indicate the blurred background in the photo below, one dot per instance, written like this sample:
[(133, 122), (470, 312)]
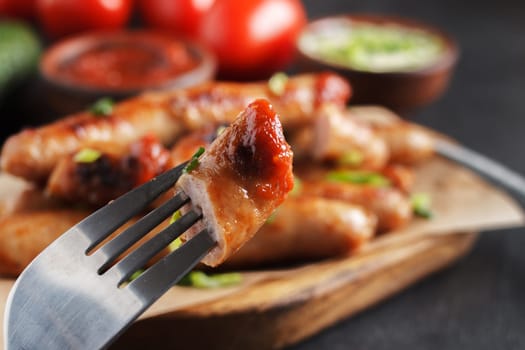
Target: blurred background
[(478, 303)]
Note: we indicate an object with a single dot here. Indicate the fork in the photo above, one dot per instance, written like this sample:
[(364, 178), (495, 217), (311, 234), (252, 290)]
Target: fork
[(75, 297)]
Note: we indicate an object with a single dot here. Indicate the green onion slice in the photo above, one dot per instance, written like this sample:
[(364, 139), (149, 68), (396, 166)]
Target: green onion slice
[(177, 242), (352, 158), (277, 83), (421, 205), (87, 155), (297, 187), (200, 279), (358, 177), (102, 107), (194, 161)]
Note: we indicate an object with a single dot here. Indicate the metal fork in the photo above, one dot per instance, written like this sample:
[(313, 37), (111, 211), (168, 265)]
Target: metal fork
[(72, 298)]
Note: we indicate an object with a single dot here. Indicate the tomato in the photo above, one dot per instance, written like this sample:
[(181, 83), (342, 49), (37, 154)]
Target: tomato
[(181, 17), (18, 8), (63, 17), (252, 38)]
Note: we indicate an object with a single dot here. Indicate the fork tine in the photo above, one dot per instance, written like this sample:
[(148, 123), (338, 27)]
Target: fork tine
[(106, 220), (112, 250), (156, 280), (139, 257)]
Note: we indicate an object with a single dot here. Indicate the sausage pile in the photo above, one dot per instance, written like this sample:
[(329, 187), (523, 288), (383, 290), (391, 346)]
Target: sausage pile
[(352, 174)]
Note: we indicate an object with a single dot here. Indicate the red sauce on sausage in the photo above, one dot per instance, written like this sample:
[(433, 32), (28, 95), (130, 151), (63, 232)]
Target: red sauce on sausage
[(262, 152)]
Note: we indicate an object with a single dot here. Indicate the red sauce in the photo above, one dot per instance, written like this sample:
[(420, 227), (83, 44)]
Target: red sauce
[(126, 60), (332, 88), (262, 152)]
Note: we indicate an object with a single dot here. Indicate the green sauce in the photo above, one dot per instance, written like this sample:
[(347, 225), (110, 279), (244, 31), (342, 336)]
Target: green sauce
[(374, 48)]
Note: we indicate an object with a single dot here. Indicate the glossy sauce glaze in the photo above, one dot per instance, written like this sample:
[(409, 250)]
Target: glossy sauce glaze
[(128, 60), (240, 179)]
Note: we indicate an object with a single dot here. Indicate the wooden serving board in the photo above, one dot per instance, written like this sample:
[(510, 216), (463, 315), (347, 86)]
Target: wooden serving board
[(274, 308), (280, 311), (282, 307)]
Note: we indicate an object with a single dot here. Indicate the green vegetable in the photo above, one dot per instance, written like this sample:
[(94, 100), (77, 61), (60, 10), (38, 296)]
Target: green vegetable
[(87, 155), (194, 162), (421, 205), (135, 275), (220, 130), (200, 279), (297, 187), (277, 83), (20, 50), (271, 218), (102, 107), (375, 47), (352, 158), (358, 177), (176, 243)]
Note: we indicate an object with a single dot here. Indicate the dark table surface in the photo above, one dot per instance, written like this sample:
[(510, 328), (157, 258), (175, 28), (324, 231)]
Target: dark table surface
[(478, 303)]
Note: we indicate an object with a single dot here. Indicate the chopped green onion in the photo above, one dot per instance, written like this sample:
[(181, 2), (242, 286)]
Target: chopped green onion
[(220, 130), (176, 243), (176, 216), (297, 187), (200, 279), (87, 155), (421, 203), (277, 83), (352, 158), (271, 218), (102, 107), (358, 177), (135, 275), (194, 161)]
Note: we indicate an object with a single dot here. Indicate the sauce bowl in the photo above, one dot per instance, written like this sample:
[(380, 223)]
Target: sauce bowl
[(84, 68), (396, 62)]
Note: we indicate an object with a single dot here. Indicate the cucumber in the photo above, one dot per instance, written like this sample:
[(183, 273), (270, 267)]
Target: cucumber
[(20, 50)]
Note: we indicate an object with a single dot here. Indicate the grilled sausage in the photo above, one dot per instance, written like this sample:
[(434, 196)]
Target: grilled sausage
[(391, 206), (24, 235), (334, 136), (307, 228), (33, 153), (110, 175), (238, 182), (407, 142)]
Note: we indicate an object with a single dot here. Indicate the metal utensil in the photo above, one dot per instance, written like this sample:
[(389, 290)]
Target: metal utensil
[(483, 165), (70, 297)]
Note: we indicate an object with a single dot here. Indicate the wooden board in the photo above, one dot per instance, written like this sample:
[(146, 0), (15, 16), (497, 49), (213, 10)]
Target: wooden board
[(285, 306), (274, 308), (280, 311)]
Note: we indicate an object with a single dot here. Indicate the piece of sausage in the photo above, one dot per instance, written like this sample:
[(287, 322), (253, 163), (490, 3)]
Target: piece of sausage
[(307, 228), (24, 235), (239, 180), (33, 153), (407, 142), (336, 137), (391, 206), (110, 175)]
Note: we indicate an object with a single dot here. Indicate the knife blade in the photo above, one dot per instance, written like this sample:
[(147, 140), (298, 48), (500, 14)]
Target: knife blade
[(483, 165)]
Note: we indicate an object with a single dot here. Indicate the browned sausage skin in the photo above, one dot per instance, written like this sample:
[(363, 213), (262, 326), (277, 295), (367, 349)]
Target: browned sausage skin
[(33, 153), (238, 182), (109, 176), (307, 228)]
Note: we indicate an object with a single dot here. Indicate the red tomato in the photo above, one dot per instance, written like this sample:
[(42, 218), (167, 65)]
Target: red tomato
[(181, 17), (63, 17), (252, 38), (18, 8)]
